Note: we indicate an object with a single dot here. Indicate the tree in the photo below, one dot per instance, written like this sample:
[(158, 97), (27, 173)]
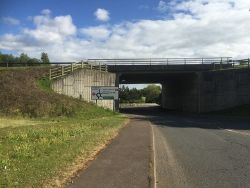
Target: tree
[(44, 58), (152, 93), (1, 59), (33, 61), (130, 95), (135, 95), (123, 94), (12, 60), (6, 58), (24, 58)]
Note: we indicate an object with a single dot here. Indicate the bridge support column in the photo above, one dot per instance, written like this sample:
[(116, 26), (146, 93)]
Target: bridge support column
[(117, 102), (181, 94)]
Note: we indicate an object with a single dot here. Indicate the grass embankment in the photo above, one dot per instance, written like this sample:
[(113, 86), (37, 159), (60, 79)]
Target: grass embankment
[(44, 146), (26, 93)]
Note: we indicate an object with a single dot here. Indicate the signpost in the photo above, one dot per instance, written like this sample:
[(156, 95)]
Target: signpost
[(105, 93)]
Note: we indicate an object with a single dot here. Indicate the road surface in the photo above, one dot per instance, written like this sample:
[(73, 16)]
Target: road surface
[(198, 151)]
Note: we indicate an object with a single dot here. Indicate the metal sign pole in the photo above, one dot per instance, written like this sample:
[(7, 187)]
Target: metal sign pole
[(113, 105)]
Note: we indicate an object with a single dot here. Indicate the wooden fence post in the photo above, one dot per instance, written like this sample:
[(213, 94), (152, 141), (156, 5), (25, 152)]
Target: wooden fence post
[(62, 68), (72, 67), (50, 73)]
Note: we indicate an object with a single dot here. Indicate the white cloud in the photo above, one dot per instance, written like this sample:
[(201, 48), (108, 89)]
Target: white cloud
[(50, 30), (10, 21), (99, 32), (46, 11), (199, 28), (102, 15), (162, 6)]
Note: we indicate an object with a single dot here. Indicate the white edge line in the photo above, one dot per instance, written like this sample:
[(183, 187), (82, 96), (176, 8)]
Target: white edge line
[(238, 132), (154, 160), (233, 131)]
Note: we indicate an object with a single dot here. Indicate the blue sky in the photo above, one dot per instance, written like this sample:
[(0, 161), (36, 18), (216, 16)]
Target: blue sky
[(81, 11), (76, 30)]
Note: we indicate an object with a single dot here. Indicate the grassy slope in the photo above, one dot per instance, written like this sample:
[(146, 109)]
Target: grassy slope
[(22, 95), (54, 145)]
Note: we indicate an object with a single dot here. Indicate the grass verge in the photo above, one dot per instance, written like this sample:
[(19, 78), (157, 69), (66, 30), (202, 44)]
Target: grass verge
[(46, 152)]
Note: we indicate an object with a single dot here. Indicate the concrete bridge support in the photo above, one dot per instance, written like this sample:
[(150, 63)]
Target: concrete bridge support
[(78, 85), (207, 91), (181, 94)]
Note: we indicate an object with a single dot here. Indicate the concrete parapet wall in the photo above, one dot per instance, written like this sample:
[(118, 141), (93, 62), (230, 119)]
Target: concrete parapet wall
[(78, 85)]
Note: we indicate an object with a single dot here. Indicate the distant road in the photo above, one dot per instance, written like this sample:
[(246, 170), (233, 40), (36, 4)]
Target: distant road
[(132, 105), (195, 151)]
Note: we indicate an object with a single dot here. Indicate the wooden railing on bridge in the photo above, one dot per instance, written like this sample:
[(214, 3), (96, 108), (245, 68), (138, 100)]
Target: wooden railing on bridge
[(62, 70)]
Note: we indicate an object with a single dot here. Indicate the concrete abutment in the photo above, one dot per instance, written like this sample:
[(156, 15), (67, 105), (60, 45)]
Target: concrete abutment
[(207, 91), (78, 85)]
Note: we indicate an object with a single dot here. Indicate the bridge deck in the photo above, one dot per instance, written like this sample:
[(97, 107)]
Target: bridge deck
[(164, 64), (167, 68)]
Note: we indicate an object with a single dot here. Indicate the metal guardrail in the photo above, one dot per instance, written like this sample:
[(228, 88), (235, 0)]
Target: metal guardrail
[(163, 61), (242, 63), (59, 71), (216, 62)]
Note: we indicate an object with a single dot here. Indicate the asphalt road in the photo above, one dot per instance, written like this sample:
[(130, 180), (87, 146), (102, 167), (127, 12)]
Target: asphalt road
[(198, 151)]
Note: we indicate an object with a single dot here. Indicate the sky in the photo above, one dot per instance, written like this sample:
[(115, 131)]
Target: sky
[(73, 30)]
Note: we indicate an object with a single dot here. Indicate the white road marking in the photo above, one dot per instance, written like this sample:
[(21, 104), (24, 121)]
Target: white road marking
[(154, 161), (234, 131), (238, 132), (167, 170)]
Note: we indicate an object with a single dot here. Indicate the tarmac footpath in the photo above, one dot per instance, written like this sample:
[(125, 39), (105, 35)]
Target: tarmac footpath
[(125, 163)]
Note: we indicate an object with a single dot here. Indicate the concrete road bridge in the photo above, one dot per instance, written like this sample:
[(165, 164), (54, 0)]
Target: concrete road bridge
[(157, 70), (188, 84)]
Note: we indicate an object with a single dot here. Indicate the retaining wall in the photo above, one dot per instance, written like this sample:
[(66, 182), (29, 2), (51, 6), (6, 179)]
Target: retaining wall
[(78, 85)]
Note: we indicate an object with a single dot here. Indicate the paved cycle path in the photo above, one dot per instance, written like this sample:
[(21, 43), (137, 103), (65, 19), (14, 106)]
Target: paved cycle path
[(124, 163)]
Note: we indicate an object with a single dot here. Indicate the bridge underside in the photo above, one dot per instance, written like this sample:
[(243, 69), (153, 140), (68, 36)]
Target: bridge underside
[(196, 91), (152, 77)]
